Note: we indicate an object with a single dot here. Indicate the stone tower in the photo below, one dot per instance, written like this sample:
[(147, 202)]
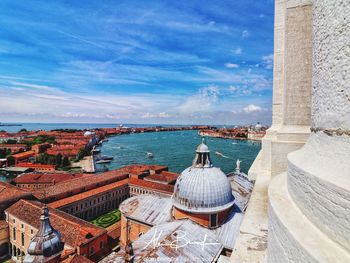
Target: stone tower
[(309, 204), (299, 209)]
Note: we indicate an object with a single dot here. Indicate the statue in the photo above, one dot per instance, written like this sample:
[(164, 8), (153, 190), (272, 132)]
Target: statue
[(238, 164)]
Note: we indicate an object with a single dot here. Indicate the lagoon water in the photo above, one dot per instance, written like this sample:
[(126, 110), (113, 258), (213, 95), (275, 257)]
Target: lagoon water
[(176, 150), (173, 149)]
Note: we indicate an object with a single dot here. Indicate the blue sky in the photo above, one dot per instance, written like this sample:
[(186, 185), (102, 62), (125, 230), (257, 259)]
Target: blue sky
[(177, 62)]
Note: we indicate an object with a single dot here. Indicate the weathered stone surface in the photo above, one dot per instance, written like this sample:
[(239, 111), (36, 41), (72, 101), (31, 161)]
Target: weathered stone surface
[(319, 184), (292, 237), (331, 60)]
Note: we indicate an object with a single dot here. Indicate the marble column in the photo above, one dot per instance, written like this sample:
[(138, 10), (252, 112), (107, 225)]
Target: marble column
[(309, 218), (291, 84)]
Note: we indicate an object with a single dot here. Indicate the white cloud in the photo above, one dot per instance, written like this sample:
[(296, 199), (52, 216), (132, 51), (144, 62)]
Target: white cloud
[(237, 51), (231, 65), (203, 101), (268, 61), (252, 108), (245, 34)]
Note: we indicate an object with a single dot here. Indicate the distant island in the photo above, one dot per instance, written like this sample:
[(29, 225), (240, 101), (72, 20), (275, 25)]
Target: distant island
[(10, 124)]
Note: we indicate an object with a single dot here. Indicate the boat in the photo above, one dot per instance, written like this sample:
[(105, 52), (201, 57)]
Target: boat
[(150, 155), (105, 157), (219, 154), (103, 161), (95, 150)]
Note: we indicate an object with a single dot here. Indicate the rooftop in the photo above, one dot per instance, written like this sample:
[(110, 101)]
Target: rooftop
[(81, 183), (34, 178), (159, 187), (189, 246), (163, 177), (87, 194), (150, 209), (24, 154), (10, 192), (74, 231)]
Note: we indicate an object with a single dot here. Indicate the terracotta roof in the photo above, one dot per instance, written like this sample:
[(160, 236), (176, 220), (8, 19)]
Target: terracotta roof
[(12, 145), (34, 178), (74, 231), (3, 224), (80, 183), (77, 259), (9, 192), (165, 188), (87, 194), (24, 154), (164, 176)]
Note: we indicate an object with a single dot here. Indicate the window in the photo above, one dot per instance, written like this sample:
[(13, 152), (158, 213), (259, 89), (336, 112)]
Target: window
[(101, 244), (91, 251), (22, 225), (14, 220), (32, 231), (213, 220), (14, 233), (22, 239)]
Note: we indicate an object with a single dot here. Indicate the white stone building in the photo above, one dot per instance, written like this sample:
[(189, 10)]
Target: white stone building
[(300, 206)]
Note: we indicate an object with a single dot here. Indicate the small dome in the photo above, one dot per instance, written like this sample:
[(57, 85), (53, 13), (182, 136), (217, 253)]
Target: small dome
[(47, 242), (258, 126), (203, 188), (88, 133)]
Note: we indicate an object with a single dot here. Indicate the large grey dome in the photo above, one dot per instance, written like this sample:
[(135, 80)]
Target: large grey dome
[(202, 188)]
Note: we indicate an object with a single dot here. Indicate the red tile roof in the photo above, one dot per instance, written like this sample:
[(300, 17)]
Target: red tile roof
[(12, 145), (79, 184), (10, 192), (26, 154), (163, 177), (3, 224), (74, 231), (77, 259), (35, 178), (164, 188), (87, 194)]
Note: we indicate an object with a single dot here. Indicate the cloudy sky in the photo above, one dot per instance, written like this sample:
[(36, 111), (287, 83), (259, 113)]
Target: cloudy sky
[(177, 62)]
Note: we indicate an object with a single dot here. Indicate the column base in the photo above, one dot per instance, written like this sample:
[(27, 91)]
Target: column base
[(292, 237)]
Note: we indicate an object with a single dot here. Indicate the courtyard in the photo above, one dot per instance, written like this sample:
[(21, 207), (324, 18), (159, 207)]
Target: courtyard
[(107, 219)]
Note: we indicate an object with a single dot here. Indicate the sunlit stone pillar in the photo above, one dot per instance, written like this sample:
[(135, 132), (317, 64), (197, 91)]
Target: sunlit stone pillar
[(292, 84), (309, 218)]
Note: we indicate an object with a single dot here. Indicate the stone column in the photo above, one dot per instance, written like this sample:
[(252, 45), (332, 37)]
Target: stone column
[(291, 85), (309, 218)]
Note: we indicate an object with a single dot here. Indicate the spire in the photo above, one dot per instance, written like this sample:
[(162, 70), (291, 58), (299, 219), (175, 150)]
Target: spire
[(46, 243), (202, 159)]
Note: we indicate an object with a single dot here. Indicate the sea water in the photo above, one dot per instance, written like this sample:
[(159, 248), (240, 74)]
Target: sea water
[(177, 150)]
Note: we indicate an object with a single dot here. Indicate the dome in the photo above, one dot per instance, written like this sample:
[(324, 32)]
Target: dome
[(47, 242), (258, 126), (202, 188), (88, 133)]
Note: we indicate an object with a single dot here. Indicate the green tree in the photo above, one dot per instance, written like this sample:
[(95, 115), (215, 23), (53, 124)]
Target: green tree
[(11, 141), (65, 161), (10, 160), (58, 160), (3, 153), (42, 158)]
